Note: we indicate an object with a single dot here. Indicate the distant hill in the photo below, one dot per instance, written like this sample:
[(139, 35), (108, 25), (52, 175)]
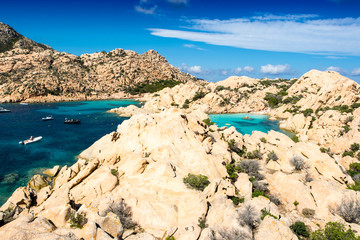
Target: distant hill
[(36, 72)]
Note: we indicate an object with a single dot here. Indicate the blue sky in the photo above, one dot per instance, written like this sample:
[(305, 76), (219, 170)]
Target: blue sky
[(209, 39)]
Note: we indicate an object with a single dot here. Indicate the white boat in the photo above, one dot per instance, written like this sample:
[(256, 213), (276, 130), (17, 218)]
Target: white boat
[(30, 140), (47, 118), (22, 103), (3, 110)]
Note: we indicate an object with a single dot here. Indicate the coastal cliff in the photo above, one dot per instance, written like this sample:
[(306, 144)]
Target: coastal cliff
[(34, 72)]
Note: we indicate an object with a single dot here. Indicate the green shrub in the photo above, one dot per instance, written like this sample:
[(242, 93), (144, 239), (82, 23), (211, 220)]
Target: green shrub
[(256, 154), (266, 213), (354, 147), (263, 140), (273, 100), (170, 237), (295, 138), (334, 231), (151, 87), (307, 112), (348, 153), (174, 104), (296, 203), (230, 168), (202, 223), (299, 229), (77, 220), (324, 150), (208, 122), (114, 172), (198, 95), (355, 105), (354, 169), (236, 200), (198, 182), (272, 156), (257, 193), (185, 106)]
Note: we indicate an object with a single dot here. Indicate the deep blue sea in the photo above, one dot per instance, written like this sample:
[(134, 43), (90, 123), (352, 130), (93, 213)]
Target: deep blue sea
[(257, 122), (61, 142)]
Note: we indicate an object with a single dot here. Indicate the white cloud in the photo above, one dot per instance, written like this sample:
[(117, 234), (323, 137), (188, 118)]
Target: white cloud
[(237, 70), (249, 69), (336, 69), (194, 46), (335, 57), (224, 72), (356, 72), (275, 69), (145, 10), (289, 33), (193, 69)]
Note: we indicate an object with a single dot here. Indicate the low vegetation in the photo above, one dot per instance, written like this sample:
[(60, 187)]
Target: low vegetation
[(77, 220), (334, 231), (198, 182), (300, 230), (150, 87)]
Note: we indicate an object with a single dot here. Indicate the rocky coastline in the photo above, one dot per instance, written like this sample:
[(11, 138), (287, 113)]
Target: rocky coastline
[(170, 173)]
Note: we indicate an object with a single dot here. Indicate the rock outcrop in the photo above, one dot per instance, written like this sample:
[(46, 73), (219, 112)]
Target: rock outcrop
[(30, 71), (130, 183)]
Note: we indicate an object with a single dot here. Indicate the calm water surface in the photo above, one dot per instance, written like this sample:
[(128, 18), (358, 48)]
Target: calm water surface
[(61, 142), (257, 122)]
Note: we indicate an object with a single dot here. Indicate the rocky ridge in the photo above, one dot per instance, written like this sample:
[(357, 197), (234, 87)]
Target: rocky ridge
[(34, 72)]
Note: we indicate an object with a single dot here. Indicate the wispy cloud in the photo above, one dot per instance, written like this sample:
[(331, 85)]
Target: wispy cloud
[(194, 46), (238, 70), (336, 57), (288, 33), (356, 72), (141, 9), (275, 69), (249, 69)]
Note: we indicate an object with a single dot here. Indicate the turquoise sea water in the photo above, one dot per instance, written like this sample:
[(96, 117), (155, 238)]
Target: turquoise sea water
[(257, 122), (61, 142)]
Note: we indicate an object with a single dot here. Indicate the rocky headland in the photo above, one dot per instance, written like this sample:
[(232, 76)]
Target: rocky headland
[(34, 72), (170, 173)]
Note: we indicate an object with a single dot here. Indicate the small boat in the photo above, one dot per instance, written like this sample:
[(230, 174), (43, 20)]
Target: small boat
[(48, 118), (30, 140), (71, 121), (3, 110), (22, 103)]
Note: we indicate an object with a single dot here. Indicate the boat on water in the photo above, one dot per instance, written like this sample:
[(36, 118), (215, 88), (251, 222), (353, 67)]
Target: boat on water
[(47, 118), (3, 110), (22, 103), (71, 121), (30, 140)]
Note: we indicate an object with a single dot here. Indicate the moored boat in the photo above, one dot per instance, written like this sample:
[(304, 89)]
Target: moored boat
[(3, 110), (71, 121), (47, 118), (30, 140)]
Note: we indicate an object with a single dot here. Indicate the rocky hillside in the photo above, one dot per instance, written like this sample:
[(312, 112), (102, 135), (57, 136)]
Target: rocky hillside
[(320, 106), (35, 72), (174, 175)]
